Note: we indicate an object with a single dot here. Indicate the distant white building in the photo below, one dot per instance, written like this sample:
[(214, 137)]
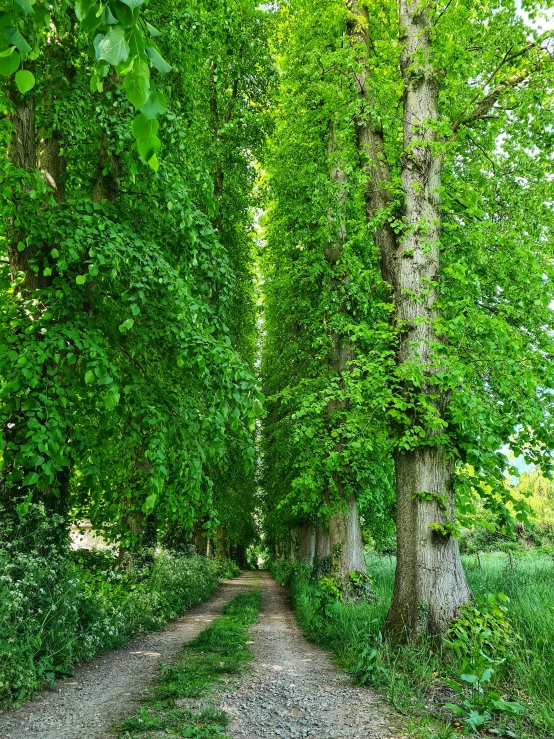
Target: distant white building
[(83, 536)]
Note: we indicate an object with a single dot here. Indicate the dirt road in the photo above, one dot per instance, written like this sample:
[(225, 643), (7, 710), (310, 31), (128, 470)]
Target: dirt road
[(107, 689), (293, 690)]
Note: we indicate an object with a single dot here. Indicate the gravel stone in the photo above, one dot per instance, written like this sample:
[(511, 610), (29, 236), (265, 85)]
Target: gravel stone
[(293, 690)]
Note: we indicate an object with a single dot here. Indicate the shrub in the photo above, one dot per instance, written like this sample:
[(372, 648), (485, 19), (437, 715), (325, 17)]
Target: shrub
[(59, 608)]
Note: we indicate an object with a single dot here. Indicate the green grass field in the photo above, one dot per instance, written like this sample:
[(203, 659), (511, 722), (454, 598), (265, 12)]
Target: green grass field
[(414, 676)]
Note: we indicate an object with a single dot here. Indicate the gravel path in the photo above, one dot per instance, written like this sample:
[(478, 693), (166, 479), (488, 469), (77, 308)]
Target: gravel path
[(106, 690), (294, 691)]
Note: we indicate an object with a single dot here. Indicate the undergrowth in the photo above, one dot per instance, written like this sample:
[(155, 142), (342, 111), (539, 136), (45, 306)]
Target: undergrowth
[(180, 702), (421, 678), (61, 608)]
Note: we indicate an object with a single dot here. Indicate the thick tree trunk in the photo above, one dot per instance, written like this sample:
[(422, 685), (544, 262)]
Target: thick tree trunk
[(430, 584), (221, 547), (200, 539), (307, 543), (345, 539), (322, 545), (346, 543)]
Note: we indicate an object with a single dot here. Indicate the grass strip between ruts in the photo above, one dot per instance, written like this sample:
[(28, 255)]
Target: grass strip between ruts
[(180, 702)]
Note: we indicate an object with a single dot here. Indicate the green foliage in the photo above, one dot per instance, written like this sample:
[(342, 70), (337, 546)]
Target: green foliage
[(59, 610), (482, 638), (478, 707), (226, 569), (483, 631), (219, 651), (494, 316), (369, 669), (128, 324), (322, 433)]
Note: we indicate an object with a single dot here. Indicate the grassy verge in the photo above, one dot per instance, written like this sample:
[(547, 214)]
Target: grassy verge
[(181, 703), (415, 676)]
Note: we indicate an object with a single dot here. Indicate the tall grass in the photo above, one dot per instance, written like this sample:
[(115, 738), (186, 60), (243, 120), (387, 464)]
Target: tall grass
[(417, 673)]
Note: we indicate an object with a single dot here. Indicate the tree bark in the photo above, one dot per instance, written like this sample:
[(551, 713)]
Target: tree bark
[(322, 545), (22, 152), (221, 548), (200, 539), (345, 540), (430, 583), (294, 545), (307, 543), (346, 543)]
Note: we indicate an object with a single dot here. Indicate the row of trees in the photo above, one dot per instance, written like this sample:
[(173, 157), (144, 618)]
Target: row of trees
[(408, 282), (406, 270), (127, 318)]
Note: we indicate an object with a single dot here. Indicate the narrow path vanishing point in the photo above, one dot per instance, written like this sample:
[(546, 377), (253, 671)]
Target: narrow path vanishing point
[(107, 689), (294, 691)]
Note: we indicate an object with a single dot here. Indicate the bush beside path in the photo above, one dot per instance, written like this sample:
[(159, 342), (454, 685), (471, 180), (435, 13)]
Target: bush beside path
[(105, 690)]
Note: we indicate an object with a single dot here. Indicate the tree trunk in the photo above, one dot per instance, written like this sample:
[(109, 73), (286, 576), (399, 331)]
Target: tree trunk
[(294, 545), (221, 548), (430, 583), (345, 539), (307, 543), (200, 539), (346, 543), (22, 152), (322, 545)]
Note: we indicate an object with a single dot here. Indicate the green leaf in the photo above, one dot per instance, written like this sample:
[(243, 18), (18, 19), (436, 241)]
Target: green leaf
[(22, 508), (153, 163), (148, 147), (9, 62), (81, 279), (137, 83), (143, 127), (24, 80), (133, 3), (92, 21), (15, 38), (112, 398), (108, 18), (124, 14), (150, 502), (89, 377), (126, 325), (25, 6), (114, 48), (156, 104), (55, 253), (31, 478), (152, 30), (82, 8), (157, 60)]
